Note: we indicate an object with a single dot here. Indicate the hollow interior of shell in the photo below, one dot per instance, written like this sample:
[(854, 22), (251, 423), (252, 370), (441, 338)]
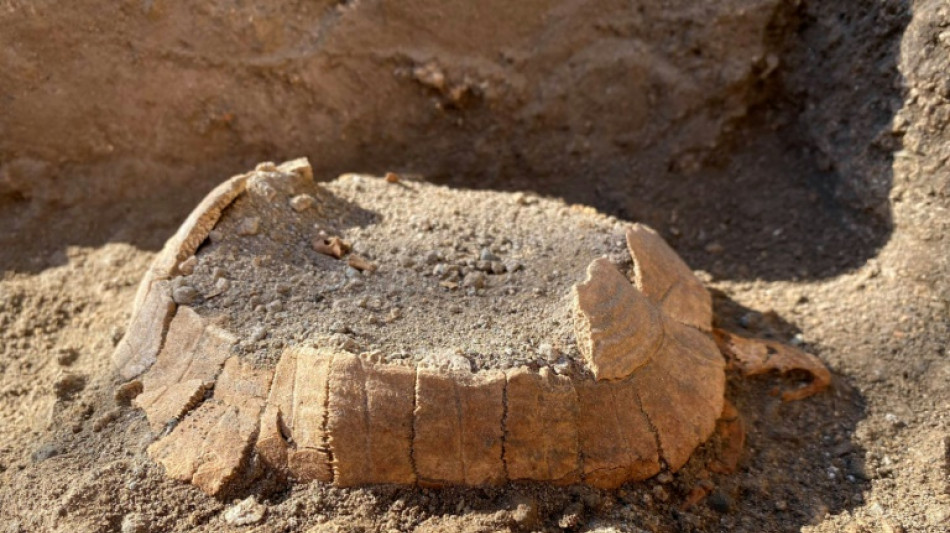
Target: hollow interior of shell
[(370, 330)]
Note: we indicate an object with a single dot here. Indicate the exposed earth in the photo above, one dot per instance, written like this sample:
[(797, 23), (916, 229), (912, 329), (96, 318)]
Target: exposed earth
[(441, 277), (796, 152)]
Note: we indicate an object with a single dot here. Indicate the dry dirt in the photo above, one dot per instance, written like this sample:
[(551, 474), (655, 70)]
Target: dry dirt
[(476, 278), (798, 152)]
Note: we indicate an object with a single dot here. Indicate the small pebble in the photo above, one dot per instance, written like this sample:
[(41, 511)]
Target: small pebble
[(109, 417), (392, 177), (134, 523), (487, 255), (523, 199), (249, 226), (894, 420), (66, 356), (245, 513), (715, 248), (719, 502), (844, 448), (261, 187), (476, 280), (185, 295), (127, 392), (858, 470), (44, 452), (525, 512), (221, 286), (345, 342), (889, 526), (68, 385), (572, 516), (394, 315), (302, 202), (116, 334), (360, 263), (339, 327), (258, 334), (513, 266), (187, 267), (333, 246), (747, 319), (374, 303)]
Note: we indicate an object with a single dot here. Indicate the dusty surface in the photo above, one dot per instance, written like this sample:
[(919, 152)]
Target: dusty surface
[(453, 277), (181, 94), (853, 115)]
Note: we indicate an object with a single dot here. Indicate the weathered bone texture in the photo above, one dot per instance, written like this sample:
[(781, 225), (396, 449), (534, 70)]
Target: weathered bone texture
[(666, 280), (326, 415), (211, 446), (458, 431), (618, 330), (541, 441), (187, 366), (755, 356)]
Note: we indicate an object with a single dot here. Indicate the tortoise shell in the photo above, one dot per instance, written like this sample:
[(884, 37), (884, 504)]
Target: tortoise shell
[(646, 389)]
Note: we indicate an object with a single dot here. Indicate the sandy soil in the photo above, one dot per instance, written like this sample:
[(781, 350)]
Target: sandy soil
[(819, 209), (445, 276)]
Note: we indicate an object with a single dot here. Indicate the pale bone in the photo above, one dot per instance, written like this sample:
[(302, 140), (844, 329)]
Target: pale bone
[(369, 421), (186, 367), (145, 334), (541, 441), (458, 428), (329, 416), (306, 414), (211, 447), (682, 391), (617, 328), (665, 279)]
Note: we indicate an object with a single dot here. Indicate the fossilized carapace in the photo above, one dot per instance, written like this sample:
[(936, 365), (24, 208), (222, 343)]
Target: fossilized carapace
[(388, 331)]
